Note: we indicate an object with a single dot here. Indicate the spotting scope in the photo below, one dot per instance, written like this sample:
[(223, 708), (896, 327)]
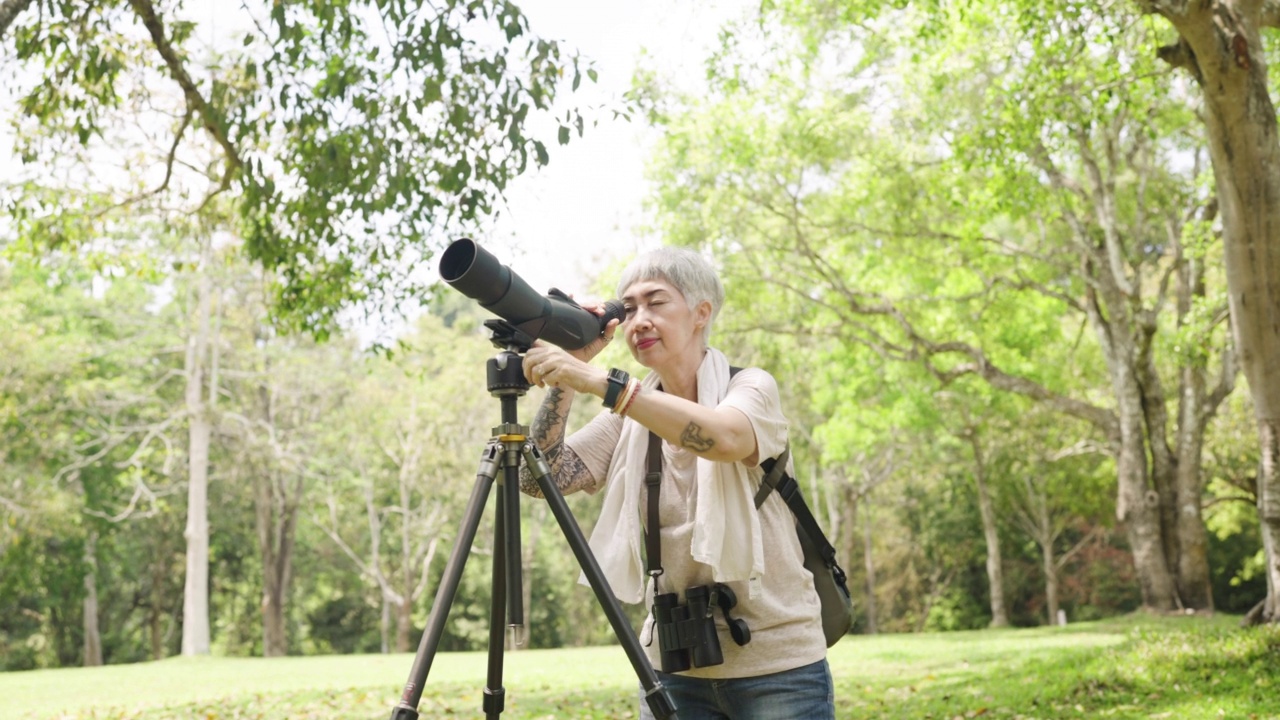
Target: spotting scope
[(553, 317)]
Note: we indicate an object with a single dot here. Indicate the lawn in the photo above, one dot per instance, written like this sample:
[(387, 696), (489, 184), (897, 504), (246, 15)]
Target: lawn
[(1134, 667)]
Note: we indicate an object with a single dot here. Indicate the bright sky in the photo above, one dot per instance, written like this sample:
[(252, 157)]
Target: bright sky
[(569, 220)]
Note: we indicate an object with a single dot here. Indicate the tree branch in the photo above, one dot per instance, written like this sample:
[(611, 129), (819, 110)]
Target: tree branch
[(1062, 560), (209, 116), (344, 547), (1103, 196), (982, 366), (168, 170), (421, 587), (1226, 381), (9, 11), (1179, 55), (13, 507), (140, 491)]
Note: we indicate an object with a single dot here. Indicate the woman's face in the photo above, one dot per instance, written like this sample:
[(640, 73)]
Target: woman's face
[(660, 326)]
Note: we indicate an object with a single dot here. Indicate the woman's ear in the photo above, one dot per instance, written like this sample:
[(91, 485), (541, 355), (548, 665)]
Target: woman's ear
[(702, 314)]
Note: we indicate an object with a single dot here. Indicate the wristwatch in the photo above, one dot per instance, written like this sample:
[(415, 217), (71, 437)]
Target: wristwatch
[(617, 383)]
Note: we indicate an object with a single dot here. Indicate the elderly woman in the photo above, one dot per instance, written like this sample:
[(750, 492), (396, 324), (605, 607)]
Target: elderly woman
[(715, 428)]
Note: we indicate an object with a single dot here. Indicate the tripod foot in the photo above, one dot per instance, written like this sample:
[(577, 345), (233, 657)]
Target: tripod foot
[(403, 712)]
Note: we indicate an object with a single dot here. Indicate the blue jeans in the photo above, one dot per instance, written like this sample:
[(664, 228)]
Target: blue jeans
[(805, 693)]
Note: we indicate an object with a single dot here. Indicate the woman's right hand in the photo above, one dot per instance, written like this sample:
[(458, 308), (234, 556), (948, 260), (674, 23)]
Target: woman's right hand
[(593, 348)]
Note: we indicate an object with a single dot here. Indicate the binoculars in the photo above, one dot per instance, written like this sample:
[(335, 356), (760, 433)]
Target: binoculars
[(687, 633)]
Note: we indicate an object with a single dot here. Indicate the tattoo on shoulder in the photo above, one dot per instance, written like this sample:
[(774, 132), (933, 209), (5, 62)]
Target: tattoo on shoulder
[(693, 439)]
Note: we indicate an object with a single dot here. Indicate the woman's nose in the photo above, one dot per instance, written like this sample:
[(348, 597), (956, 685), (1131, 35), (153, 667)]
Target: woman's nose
[(640, 320)]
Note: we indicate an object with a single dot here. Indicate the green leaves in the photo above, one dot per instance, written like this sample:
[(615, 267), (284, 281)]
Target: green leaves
[(357, 135)]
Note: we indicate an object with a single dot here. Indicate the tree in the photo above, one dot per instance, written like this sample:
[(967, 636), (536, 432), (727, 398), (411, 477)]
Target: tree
[(83, 430), (296, 397), (347, 133), (1220, 44), (201, 397), (344, 133), (971, 205)]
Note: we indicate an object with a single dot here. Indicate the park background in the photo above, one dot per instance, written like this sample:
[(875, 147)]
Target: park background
[(992, 250)]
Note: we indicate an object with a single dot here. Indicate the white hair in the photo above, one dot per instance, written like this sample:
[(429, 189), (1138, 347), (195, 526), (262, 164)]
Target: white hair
[(687, 271)]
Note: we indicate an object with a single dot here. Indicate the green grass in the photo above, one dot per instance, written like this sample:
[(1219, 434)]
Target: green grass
[(1135, 667)]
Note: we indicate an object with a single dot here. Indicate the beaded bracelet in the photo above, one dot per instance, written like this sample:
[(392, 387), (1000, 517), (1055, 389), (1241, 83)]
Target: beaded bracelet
[(630, 399), (625, 396)]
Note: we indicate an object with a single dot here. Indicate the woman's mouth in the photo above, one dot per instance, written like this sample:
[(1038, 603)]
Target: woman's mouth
[(646, 343)]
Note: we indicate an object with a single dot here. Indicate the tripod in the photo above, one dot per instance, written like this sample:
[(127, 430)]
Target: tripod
[(503, 452)]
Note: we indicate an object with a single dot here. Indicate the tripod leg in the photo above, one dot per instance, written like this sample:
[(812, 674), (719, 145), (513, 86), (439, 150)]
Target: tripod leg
[(509, 493), (494, 693), (659, 700), (407, 708)]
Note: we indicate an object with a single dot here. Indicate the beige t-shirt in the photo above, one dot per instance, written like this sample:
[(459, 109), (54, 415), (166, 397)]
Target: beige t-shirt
[(786, 616)]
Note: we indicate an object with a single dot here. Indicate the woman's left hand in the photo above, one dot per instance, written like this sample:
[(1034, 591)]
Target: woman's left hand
[(546, 364)]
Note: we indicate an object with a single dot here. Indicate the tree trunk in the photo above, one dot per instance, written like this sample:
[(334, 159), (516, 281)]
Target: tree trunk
[(1138, 504), (195, 594), (275, 641), (870, 565), (155, 616), (1050, 565), (1221, 45), (1138, 509), (92, 637), (277, 525), (1269, 510), (995, 565), (1195, 586), (384, 627), (1196, 407), (404, 624), (1036, 520)]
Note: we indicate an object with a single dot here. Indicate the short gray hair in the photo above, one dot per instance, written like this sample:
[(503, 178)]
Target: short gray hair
[(686, 270)]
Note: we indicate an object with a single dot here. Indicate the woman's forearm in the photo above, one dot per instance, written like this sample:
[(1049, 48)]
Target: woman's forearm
[(723, 435)]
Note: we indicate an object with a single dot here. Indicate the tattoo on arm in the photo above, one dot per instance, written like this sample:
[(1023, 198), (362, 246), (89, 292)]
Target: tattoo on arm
[(693, 439), (570, 473), (548, 423)]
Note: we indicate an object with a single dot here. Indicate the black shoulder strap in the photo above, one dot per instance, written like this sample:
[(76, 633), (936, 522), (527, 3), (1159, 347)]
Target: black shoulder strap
[(789, 490), (653, 483), (774, 470)]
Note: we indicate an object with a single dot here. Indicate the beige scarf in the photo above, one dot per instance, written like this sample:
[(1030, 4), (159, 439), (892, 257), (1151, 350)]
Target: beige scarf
[(726, 531)]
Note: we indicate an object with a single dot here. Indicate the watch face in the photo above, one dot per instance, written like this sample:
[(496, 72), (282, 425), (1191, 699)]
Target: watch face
[(617, 381)]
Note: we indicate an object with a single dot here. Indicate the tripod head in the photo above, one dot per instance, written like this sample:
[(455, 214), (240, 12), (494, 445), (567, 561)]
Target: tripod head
[(506, 336), (505, 372)]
